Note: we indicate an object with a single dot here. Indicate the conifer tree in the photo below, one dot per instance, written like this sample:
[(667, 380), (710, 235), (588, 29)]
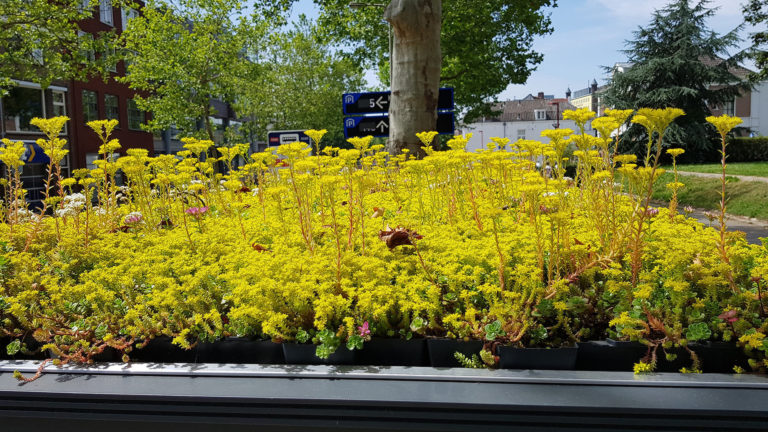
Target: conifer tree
[(756, 13), (677, 61)]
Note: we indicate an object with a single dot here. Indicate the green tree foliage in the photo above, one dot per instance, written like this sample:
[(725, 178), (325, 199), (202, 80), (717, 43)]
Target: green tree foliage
[(677, 61), (184, 53), (40, 41), (486, 44), (297, 84), (756, 13)]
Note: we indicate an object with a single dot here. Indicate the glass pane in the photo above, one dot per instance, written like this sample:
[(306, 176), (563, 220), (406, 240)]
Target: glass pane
[(105, 10), (19, 107), (90, 106), (135, 115), (90, 158), (111, 107)]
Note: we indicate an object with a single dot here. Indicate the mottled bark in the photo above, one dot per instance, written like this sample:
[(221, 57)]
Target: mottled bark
[(416, 64)]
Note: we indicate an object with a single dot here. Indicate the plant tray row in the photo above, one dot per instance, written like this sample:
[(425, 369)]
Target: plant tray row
[(609, 355)]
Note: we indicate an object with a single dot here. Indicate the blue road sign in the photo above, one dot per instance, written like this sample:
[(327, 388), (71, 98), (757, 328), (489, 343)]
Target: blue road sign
[(34, 154), (378, 102), (378, 126)]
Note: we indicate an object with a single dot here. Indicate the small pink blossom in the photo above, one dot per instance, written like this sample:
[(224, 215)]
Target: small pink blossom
[(729, 316), (363, 330), (133, 218), (651, 212), (196, 211)]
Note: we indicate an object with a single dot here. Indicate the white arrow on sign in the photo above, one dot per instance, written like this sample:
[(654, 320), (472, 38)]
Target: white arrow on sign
[(382, 125), (380, 102)]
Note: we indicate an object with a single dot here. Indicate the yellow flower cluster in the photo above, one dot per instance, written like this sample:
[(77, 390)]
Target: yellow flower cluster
[(492, 244)]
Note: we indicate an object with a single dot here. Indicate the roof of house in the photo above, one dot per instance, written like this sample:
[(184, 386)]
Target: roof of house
[(737, 70), (525, 109)]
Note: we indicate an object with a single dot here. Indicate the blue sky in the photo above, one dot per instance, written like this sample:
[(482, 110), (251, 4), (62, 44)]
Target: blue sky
[(588, 34)]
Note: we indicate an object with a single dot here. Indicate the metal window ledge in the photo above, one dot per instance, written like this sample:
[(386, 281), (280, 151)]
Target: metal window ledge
[(207, 397)]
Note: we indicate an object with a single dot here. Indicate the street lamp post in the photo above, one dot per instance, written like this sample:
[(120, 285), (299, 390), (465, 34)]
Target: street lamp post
[(361, 5)]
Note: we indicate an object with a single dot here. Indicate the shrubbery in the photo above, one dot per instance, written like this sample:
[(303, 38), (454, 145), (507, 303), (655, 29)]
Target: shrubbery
[(744, 149), (356, 243)]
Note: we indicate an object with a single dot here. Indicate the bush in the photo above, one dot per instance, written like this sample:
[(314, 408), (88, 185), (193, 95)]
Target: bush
[(745, 149)]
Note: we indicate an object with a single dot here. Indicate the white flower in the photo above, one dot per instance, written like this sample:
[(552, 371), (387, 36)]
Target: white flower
[(74, 202), (66, 212)]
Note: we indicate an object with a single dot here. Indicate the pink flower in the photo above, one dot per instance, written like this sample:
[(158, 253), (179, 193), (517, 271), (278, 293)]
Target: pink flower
[(729, 316), (133, 218), (651, 212), (196, 211), (363, 330)]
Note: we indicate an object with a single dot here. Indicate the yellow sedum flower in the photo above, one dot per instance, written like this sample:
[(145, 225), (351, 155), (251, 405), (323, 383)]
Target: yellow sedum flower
[(12, 153), (316, 135), (426, 138), (643, 368), (620, 116), (581, 116), (675, 152), (659, 119), (724, 123)]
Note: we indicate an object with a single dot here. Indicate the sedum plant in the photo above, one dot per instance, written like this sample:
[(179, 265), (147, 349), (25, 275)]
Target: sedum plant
[(336, 247)]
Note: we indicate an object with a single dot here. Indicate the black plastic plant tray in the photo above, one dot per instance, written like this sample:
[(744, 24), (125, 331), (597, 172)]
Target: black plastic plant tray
[(223, 398)]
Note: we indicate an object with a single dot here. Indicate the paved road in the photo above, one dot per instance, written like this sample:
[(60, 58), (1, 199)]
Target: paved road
[(753, 228), (712, 175)]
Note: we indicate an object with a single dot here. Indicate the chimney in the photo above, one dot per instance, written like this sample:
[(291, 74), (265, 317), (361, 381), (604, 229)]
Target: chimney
[(541, 95)]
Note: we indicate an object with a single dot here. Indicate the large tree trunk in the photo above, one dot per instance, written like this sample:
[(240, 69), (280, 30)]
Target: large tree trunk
[(416, 62)]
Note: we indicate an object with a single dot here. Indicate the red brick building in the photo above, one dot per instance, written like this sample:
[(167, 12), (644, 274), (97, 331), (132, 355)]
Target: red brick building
[(82, 102), (96, 99)]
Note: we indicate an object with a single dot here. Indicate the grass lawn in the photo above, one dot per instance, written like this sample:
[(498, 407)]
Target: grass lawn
[(744, 198), (758, 169)]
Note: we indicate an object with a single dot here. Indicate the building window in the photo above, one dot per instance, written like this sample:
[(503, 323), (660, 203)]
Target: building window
[(90, 106), (729, 108), (521, 134), (540, 114), (128, 15), (21, 105), (90, 158), (128, 57), (37, 56), (59, 103), (105, 12), (110, 57), (111, 107), (85, 5), (87, 54), (135, 115)]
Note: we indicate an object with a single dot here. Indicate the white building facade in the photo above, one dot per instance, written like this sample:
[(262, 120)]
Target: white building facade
[(520, 119)]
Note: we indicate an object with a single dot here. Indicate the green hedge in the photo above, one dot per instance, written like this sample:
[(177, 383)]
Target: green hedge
[(744, 149)]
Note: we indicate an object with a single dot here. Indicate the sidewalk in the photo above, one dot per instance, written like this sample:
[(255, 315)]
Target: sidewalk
[(717, 176), (753, 228)]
